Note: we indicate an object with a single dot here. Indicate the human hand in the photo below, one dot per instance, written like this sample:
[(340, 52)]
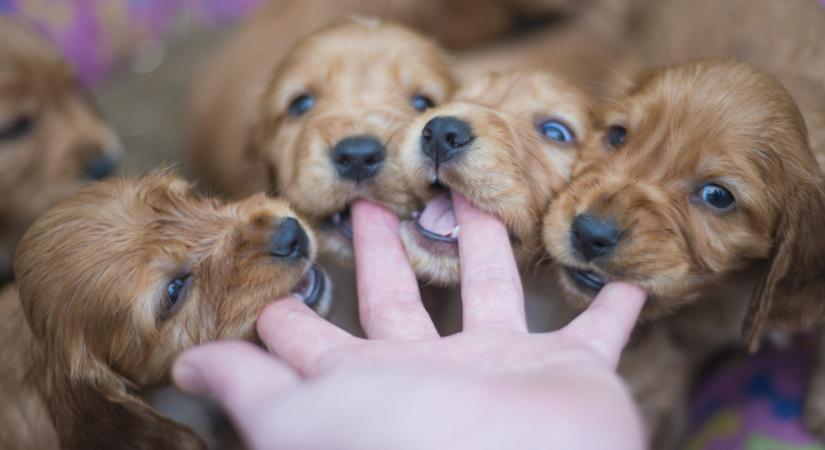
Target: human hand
[(491, 386)]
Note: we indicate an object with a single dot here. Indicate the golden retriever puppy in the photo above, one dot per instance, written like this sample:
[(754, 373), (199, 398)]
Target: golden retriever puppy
[(507, 142), (704, 192), (52, 137), (117, 280), (330, 115)]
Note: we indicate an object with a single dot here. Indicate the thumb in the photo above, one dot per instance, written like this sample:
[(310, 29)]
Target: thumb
[(239, 375)]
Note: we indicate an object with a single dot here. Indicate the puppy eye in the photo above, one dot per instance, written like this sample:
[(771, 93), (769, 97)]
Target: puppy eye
[(616, 136), (18, 128), (422, 102), (301, 105), (556, 131), (174, 294), (716, 197)]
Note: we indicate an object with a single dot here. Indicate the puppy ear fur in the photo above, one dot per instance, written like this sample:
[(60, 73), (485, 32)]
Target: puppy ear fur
[(792, 293), (99, 411)]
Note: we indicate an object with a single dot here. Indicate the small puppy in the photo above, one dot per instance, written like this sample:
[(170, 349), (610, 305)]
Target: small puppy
[(507, 142), (52, 137), (704, 192), (330, 114), (117, 280)]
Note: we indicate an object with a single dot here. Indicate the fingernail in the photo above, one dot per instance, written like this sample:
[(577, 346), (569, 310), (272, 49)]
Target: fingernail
[(188, 377)]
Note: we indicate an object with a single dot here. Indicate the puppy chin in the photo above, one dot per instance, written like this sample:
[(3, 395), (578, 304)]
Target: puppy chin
[(433, 262)]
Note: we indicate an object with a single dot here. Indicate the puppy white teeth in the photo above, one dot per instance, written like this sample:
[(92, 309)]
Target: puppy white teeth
[(454, 233), (336, 219), (415, 214)]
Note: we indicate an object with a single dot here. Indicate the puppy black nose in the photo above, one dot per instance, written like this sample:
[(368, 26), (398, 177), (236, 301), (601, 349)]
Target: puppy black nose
[(99, 167), (443, 138), (593, 236), (289, 240), (358, 158)]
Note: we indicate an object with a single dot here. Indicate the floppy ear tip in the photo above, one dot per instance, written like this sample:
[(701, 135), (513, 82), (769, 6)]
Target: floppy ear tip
[(751, 330)]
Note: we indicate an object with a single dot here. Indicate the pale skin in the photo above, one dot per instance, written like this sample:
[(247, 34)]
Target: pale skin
[(491, 386)]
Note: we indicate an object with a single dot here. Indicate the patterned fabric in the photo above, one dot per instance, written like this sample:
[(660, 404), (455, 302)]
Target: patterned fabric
[(96, 35), (754, 403)]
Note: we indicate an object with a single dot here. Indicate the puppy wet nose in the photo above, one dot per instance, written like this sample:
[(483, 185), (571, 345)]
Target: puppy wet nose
[(593, 237), (358, 158), (443, 138), (99, 167), (289, 240)]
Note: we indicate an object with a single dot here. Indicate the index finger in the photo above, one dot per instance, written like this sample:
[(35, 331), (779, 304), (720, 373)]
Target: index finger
[(491, 291), (389, 302), (609, 320)]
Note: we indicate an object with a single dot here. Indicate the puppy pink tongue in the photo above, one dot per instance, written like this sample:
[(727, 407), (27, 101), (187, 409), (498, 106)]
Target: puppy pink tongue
[(438, 216)]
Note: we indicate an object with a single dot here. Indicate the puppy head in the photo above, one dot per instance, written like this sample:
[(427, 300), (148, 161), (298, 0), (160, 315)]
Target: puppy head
[(120, 278), (507, 143), (52, 138), (329, 115), (704, 171)]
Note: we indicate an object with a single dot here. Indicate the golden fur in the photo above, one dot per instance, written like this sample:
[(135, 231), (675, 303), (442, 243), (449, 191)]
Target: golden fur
[(756, 265), (93, 275), (50, 133), (510, 170), (363, 74), (225, 94)]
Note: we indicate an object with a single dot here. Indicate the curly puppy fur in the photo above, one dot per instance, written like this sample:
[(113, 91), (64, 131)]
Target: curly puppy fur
[(94, 275), (52, 137), (509, 169), (755, 264)]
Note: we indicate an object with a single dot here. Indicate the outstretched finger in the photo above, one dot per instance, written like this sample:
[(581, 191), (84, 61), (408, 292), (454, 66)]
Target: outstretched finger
[(299, 336), (608, 322), (236, 373), (389, 302), (491, 291)]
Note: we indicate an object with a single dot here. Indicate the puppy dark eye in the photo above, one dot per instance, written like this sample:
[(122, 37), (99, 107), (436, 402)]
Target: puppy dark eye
[(716, 197), (17, 128), (616, 136), (173, 294), (301, 105), (422, 102), (556, 131)]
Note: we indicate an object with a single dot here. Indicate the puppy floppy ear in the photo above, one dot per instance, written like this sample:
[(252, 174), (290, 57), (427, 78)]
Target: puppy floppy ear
[(100, 412), (792, 293)]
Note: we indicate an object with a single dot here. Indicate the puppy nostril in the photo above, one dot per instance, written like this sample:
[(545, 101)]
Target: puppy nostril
[(427, 133), (593, 237), (358, 158), (444, 138), (289, 240)]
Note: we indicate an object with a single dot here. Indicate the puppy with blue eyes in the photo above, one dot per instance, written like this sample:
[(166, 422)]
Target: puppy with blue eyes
[(508, 143), (703, 191), (115, 282), (53, 139)]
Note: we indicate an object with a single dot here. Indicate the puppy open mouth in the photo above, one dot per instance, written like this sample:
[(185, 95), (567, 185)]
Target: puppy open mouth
[(340, 221), (434, 227), (585, 279), (314, 290)]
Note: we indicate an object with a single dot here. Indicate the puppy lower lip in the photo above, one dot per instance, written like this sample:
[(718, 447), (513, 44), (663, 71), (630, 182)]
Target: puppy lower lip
[(586, 279), (311, 288)]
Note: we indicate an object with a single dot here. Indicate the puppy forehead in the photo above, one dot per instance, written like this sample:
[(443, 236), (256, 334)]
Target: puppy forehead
[(537, 95), (354, 61)]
